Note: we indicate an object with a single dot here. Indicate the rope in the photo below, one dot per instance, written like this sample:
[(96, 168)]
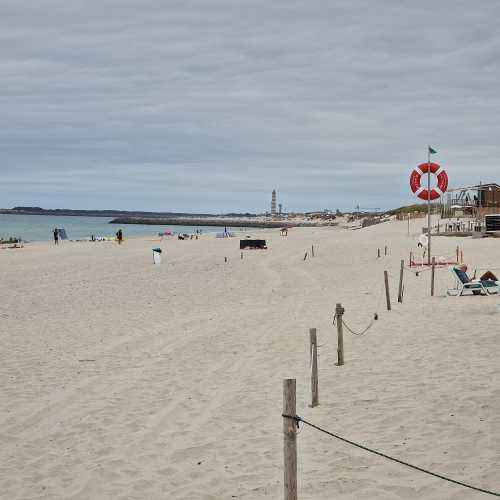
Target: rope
[(370, 324), (298, 419), (375, 314), (362, 332), (417, 270)]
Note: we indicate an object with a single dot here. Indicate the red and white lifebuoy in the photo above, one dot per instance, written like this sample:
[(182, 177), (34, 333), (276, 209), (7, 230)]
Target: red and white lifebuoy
[(421, 192)]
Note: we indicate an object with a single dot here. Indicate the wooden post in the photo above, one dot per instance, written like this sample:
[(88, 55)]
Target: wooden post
[(387, 296), (461, 256), (378, 253), (312, 250), (433, 271), (411, 257), (289, 440), (241, 255), (458, 255), (305, 256), (339, 311), (385, 250), (225, 259), (400, 289), (313, 352)]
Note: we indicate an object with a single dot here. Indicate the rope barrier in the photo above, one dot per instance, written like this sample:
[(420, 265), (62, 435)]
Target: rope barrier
[(298, 419), (370, 324), (362, 332)]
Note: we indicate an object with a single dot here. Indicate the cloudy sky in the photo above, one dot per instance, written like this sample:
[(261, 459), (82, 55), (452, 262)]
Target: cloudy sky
[(208, 105)]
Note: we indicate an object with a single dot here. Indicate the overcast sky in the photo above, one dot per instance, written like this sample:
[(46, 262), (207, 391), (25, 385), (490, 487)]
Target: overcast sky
[(206, 106)]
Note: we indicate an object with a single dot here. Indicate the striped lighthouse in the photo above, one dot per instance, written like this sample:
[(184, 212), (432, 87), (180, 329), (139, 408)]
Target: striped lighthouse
[(273, 203)]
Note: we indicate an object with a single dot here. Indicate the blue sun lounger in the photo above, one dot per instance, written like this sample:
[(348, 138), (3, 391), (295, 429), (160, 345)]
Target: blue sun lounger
[(477, 287)]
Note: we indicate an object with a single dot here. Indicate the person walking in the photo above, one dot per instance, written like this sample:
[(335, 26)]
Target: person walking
[(56, 236), (119, 236)]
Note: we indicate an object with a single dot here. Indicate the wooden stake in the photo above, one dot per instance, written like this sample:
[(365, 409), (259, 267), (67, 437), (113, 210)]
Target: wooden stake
[(387, 296), (305, 256), (400, 289), (225, 259), (241, 255), (289, 440), (433, 271), (313, 352), (411, 258), (378, 253), (339, 311), (461, 256), (312, 250), (457, 255), (385, 250)]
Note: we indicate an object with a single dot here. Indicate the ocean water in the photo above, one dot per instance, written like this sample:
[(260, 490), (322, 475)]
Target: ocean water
[(40, 227)]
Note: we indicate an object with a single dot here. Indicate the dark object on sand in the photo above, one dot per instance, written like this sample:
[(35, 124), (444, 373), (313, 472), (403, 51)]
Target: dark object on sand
[(253, 244), (492, 222)]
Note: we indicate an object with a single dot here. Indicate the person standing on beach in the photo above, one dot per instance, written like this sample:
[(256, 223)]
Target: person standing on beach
[(56, 236), (119, 236)]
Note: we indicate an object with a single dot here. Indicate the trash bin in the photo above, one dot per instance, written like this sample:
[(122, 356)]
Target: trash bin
[(157, 255)]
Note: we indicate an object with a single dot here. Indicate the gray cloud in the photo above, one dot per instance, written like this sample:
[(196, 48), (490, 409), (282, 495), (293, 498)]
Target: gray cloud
[(208, 106)]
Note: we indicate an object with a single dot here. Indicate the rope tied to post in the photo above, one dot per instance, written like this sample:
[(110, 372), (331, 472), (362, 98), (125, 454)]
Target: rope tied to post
[(350, 330), (362, 332), (378, 299), (298, 419)]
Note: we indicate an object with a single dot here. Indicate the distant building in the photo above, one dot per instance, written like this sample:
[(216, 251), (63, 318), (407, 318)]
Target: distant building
[(323, 215), (273, 203), (472, 201), (279, 208)]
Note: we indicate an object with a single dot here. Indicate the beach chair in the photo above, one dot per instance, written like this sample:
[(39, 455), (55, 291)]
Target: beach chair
[(477, 287)]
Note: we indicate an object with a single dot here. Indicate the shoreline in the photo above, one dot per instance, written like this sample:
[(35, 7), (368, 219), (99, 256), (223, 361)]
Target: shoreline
[(221, 221), (40, 228)]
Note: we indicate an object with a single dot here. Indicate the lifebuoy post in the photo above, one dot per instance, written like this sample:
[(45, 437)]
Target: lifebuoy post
[(429, 194)]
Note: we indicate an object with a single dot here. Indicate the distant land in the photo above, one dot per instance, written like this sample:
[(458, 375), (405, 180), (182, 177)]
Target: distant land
[(320, 218), (107, 213), (179, 218)]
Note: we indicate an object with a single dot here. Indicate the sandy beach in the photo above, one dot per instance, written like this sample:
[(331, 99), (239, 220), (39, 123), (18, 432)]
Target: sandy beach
[(126, 380)]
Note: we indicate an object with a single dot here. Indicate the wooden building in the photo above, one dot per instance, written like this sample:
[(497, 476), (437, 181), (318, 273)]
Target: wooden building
[(472, 201)]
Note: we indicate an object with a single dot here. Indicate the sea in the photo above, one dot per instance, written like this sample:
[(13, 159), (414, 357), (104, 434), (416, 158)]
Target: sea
[(40, 227)]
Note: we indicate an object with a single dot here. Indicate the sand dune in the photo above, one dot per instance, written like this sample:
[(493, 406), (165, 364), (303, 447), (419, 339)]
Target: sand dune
[(125, 380)]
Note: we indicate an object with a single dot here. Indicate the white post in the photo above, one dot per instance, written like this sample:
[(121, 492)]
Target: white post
[(429, 203)]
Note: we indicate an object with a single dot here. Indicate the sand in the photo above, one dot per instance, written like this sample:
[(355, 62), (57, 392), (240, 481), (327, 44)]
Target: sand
[(125, 380)]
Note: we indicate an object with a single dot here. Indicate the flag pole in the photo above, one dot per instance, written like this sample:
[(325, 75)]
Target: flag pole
[(428, 205)]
